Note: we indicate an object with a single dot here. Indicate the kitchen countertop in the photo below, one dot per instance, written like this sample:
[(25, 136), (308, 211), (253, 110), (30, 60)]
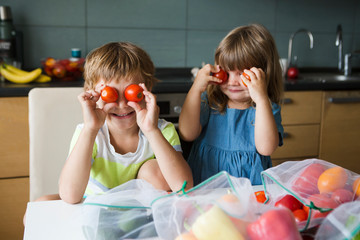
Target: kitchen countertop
[(179, 80)]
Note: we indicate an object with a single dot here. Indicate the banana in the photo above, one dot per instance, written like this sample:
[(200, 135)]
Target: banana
[(24, 77), (41, 79)]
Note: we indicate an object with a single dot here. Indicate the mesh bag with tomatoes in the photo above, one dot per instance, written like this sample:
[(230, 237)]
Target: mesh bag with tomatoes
[(342, 223), (311, 189), (123, 212), (215, 209)]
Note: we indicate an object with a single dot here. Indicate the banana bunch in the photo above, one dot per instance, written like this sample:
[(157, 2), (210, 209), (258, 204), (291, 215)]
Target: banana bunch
[(16, 75)]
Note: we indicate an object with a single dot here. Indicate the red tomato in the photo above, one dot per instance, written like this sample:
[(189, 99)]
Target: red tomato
[(290, 202), (222, 75), (293, 72), (342, 195), (273, 225), (247, 77), (306, 183), (109, 94), (300, 215), (260, 196), (134, 93)]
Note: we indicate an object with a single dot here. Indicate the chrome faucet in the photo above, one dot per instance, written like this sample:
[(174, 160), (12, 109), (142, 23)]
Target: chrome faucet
[(291, 41), (339, 44)]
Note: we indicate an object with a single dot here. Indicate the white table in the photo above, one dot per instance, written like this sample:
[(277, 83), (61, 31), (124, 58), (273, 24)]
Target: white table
[(57, 220)]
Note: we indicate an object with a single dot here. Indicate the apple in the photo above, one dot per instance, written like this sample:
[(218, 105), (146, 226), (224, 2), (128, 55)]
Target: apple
[(342, 195), (306, 183), (321, 200), (273, 225), (289, 202), (59, 71), (293, 72)]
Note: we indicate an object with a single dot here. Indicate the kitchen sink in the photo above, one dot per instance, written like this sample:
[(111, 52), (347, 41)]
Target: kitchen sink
[(327, 77)]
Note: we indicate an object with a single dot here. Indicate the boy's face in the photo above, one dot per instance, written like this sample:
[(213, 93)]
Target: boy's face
[(120, 115)]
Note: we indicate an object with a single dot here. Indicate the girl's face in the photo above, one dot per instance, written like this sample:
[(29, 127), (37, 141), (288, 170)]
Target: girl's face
[(120, 116), (235, 90)]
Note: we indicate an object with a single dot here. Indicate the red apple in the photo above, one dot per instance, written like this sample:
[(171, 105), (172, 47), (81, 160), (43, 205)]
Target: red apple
[(342, 195), (59, 71), (293, 72), (306, 183), (321, 200)]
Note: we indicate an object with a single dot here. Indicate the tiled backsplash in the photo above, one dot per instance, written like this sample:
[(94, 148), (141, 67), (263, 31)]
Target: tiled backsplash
[(182, 33)]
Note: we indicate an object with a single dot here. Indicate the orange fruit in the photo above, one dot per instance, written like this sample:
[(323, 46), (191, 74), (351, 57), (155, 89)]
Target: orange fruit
[(356, 186), (332, 179)]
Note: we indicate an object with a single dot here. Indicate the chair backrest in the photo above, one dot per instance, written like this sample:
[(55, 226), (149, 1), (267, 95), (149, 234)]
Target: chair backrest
[(53, 116)]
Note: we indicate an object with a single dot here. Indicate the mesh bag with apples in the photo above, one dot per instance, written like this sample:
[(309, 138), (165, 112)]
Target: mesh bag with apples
[(342, 223), (215, 209), (311, 189), (123, 212)]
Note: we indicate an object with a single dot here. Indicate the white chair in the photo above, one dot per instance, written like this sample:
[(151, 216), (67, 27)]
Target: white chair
[(53, 116)]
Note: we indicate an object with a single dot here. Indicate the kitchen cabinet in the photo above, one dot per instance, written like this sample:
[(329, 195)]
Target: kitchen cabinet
[(14, 165), (340, 130), (301, 117)]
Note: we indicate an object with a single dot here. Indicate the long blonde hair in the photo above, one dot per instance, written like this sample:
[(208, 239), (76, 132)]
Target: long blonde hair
[(242, 48), (116, 60)]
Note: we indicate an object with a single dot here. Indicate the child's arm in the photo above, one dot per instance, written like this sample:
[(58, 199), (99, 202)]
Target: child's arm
[(76, 171), (266, 132), (189, 120), (171, 163)]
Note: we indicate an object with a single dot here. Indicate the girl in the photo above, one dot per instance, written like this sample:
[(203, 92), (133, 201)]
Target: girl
[(236, 125)]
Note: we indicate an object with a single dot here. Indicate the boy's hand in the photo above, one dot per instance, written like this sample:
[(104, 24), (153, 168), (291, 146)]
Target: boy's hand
[(204, 78), (93, 117), (147, 118), (256, 85)]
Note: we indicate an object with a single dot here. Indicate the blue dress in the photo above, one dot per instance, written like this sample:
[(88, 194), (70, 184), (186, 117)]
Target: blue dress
[(227, 143)]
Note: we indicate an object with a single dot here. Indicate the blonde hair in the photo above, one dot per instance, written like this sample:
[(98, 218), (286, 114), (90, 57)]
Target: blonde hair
[(245, 47), (117, 60)]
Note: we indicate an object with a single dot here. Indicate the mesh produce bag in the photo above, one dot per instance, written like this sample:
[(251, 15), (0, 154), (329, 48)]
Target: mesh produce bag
[(123, 212), (318, 185), (214, 209)]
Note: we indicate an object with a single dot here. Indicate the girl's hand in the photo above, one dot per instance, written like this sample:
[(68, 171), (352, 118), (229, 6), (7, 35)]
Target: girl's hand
[(204, 78), (94, 117), (256, 85), (147, 118)]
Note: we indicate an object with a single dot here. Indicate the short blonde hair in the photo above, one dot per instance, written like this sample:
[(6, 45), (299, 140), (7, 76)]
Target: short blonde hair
[(245, 47), (116, 60)]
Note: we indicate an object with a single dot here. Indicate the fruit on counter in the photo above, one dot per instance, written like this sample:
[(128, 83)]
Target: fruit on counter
[(289, 202), (214, 225), (109, 94), (41, 79), (260, 196), (356, 187), (332, 179), (134, 93), (59, 71), (16, 76), (342, 195), (222, 75), (64, 69), (186, 236), (321, 200), (273, 225), (293, 72), (50, 62), (247, 77), (306, 183)]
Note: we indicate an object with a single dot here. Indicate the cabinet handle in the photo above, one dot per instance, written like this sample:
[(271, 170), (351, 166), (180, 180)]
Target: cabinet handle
[(344, 100), (287, 100)]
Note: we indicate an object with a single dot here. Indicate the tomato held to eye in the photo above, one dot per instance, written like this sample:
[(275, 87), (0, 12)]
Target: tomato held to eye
[(222, 75), (247, 77), (134, 93), (109, 94)]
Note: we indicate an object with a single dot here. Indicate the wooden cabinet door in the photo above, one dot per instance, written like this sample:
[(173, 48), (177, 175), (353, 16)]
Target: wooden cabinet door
[(13, 201), (14, 133), (340, 130)]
